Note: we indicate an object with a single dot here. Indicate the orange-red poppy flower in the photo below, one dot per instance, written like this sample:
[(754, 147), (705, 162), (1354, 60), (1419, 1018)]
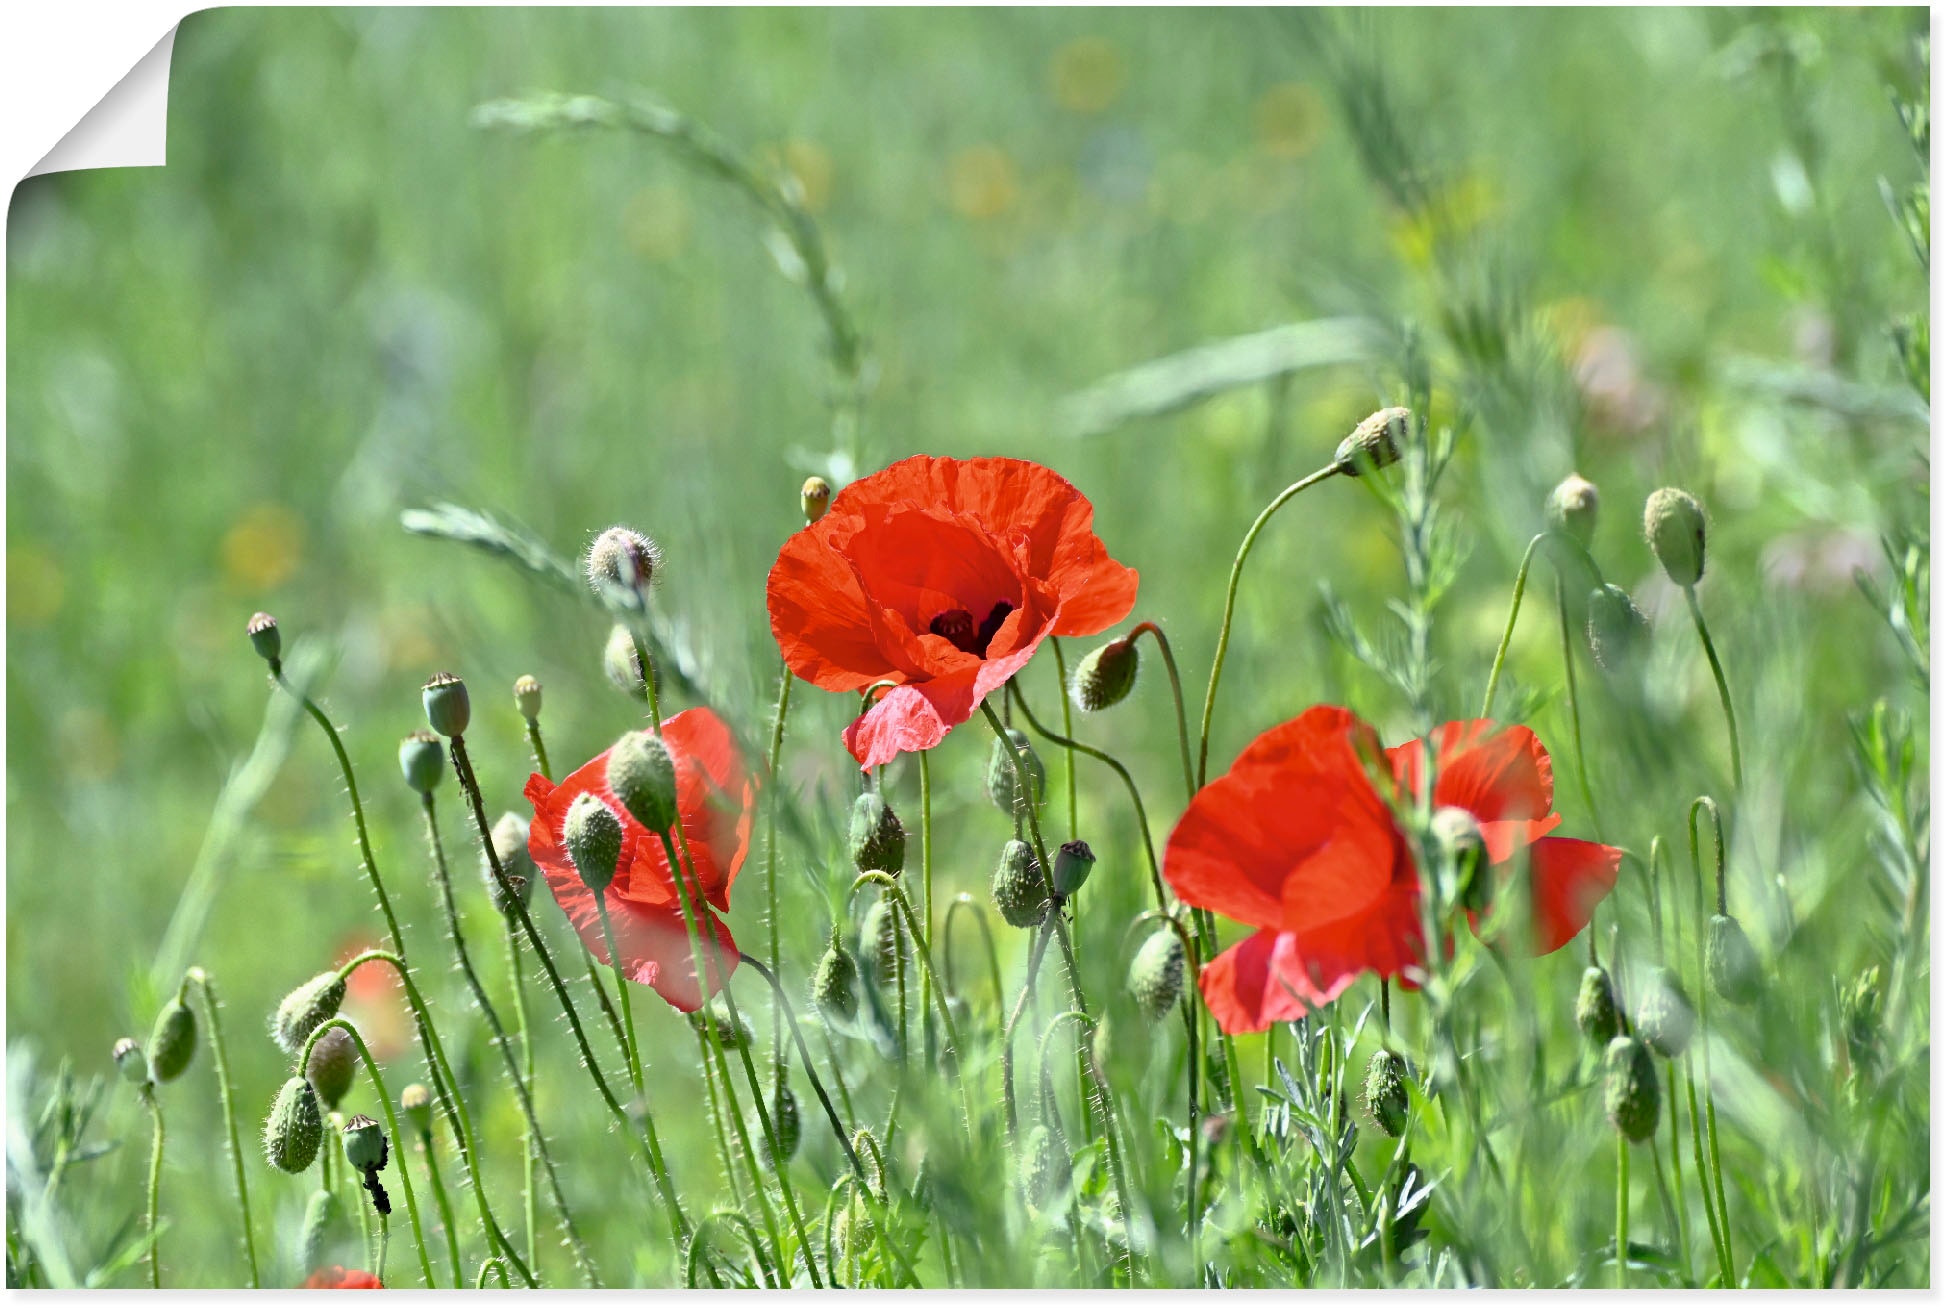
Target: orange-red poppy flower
[(715, 799), (942, 576), (1298, 841), (337, 1276)]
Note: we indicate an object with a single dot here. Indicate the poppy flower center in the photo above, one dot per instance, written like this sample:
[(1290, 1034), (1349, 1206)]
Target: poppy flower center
[(956, 627)]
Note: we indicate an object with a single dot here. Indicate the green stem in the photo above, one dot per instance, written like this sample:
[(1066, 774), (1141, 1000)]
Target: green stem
[(1702, 1176), (621, 987), (965, 901), (1621, 1210), (1708, 804), (1067, 728), (1104, 1102), (1507, 636), (1175, 690), (207, 990), (491, 1265), (527, 1074), (1574, 704), (925, 876), (783, 1001), (770, 848), (154, 1105), (430, 1150), (384, 1243), (540, 750), (1722, 685)]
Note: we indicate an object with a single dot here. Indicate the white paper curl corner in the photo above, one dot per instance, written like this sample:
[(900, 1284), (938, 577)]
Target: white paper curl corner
[(128, 128)]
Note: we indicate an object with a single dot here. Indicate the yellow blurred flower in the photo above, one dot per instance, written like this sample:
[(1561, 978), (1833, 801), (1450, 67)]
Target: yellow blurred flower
[(981, 182), (810, 163), (403, 633), (1455, 210), (655, 222), (264, 548), (35, 587), (1087, 75), (1290, 118)]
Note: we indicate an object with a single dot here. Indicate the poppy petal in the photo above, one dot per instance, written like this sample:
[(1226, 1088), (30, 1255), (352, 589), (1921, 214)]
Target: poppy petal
[(1568, 878), (1243, 988), (1501, 774), (820, 617)]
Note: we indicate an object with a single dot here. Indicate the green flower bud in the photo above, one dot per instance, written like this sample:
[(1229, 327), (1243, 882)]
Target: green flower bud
[(333, 1066), (510, 846), (295, 1129), (1001, 785), (269, 645), (622, 667), (1385, 1092), (448, 710), (1572, 507), (416, 1102), (306, 1007), (815, 498), (1629, 1092), (877, 835), (422, 759), (527, 698), (325, 1226), (1072, 866), (1105, 676), (881, 937), (130, 1061), (1155, 976), (1594, 1008), (1617, 630), (731, 1034), (1664, 1019), (592, 835), (832, 982), (642, 773), (365, 1145), (172, 1043), (1456, 832), (1373, 443), (1674, 524), (786, 1123), (620, 556), (1734, 970), (1019, 888), (1046, 1167)]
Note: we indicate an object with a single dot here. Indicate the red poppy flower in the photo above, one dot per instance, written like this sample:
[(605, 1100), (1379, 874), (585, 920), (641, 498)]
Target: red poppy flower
[(715, 800), (942, 576), (1298, 841), (337, 1276)]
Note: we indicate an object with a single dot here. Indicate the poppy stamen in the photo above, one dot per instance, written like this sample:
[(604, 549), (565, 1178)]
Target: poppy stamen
[(956, 628)]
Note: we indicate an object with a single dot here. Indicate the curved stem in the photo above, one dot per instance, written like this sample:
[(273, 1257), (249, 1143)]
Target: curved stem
[(1722, 685), (1067, 728), (430, 1150), (491, 1265), (1574, 704), (1715, 1176), (154, 1105), (1105, 1104), (1021, 785), (694, 1258), (1034, 956), (207, 991), (783, 1001), (986, 932), (1513, 614), (1175, 690)]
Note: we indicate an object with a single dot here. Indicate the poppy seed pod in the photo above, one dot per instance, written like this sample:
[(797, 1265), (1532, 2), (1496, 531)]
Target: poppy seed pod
[(1373, 443), (269, 645), (622, 666), (1676, 530), (448, 710), (592, 835), (1734, 970), (416, 1102), (1155, 976), (620, 556), (815, 497), (1617, 630), (877, 836), (1629, 1092), (1019, 888), (295, 1129), (881, 937), (832, 982), (1385, 1095), (1002, 787), (1072, 866), (510, 846), (1105, 676), (642, 773), (325, 1224), (1664, 1019), (306, 1007), (1456, 832), (172, 1043), (786, 1124), (1572, 507), (422, 760), (365, 1147), (527, 698), (1594, 1008), (333, 1066), (131, 1062)]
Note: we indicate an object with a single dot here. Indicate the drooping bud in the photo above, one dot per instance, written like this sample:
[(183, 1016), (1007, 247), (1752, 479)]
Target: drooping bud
[(448, 709), (622, 666), (1385, 1092), (1734, 970), (1105, 676), (731, 1034), (815, 497), (325, 1225), (832, 983), (1664, 1019), (786, 1123), (422, 760), (1002, 787), (642, 773), (365, 1145), (1617, 630), (1072, 866), (1155, 976), (295, 1129), (877, 835), (1019, 888), (510, 846), (1629, 1091), (1676, 530), (269, 645), (592, 835), (1046, 1167), (1572, 507), (172, 1043), (130, 1061), (333, 1066), (416, 1102), (1373, 443), (1594, 1008), (306, 1007), (881, 936), (527, 698), (1462, 847), (620, 556)]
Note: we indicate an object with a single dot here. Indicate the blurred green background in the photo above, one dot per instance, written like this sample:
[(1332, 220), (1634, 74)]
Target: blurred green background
[(227, 377)]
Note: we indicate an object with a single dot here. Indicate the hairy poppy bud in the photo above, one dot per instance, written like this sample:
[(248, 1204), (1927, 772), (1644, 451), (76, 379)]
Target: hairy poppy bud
[(306, 1007), (1385, 1094), (832, 982), (295, 1129), (1046, 1167), (877, 835), (1456, 831), (1071, 867), (1001, 785), (1617, 630), (1019, 888), (1594, 1008), (622, 666), (1664, 1020), (620, 556), (592, 835), (130, 1061), (1155, 976), (269, 645), (332, 1067), (422, 759), (325, 1225), (1105, 676), (172, 1043), (510, 846), (731, 1034), (642, 773), (815, 497), (527, 698), (365, 1145), (1673, 522), (786, 1124), (1373, 443), (1734, 970), (448, 709), (881, 937), (1572, 507), (416, 1102), (1629, 1092)]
